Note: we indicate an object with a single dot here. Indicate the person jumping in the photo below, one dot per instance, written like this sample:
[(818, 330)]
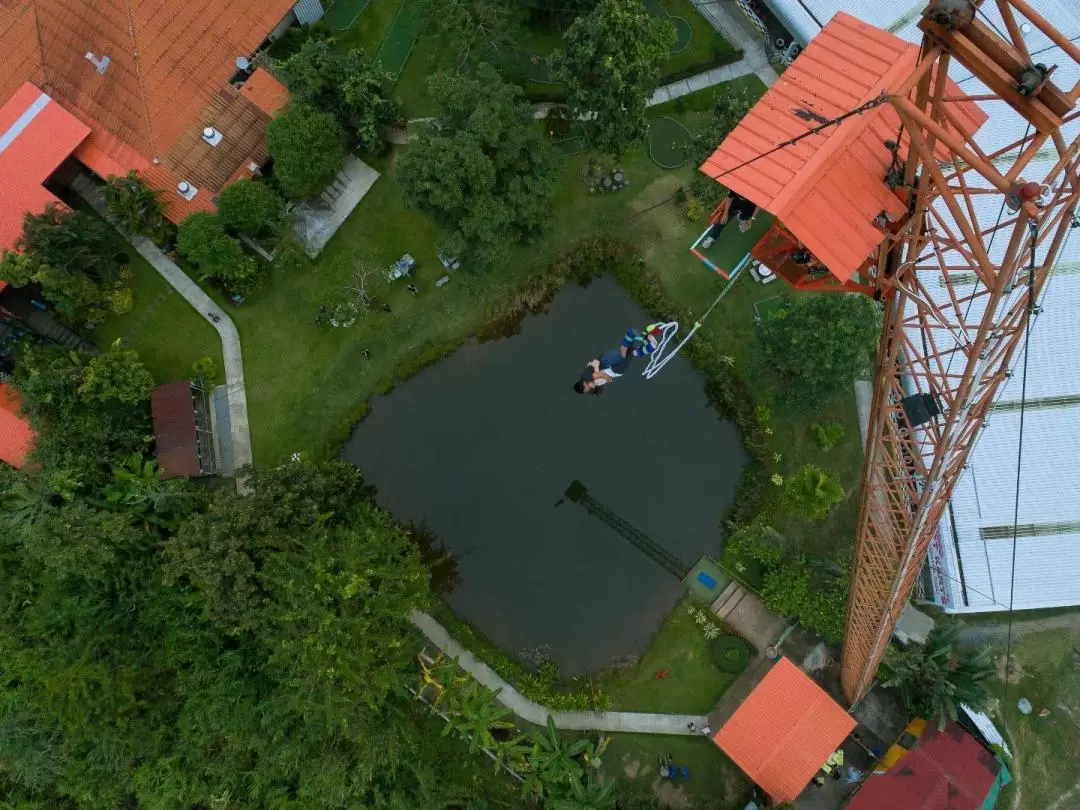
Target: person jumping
[(613, 363)]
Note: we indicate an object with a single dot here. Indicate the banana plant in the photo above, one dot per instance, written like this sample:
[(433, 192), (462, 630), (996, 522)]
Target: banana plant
[(586, 795), (554, 762)]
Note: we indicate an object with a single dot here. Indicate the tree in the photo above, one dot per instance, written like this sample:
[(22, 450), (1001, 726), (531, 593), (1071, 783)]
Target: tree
[(249, 206), (203, 240), (308, 148), (343, 84), (811, 493), (820, 344), (75, 295), (83, 422), (72, 242), (731, 106), (483, 173), (116, 375), (475, 28), (610, 62), (933, 680), (136, 206)]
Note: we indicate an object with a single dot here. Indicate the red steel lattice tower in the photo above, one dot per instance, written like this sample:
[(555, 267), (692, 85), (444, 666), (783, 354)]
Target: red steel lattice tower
[(956, 284)]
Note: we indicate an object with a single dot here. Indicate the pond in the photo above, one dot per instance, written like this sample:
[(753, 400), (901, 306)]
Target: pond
[(481, 447)]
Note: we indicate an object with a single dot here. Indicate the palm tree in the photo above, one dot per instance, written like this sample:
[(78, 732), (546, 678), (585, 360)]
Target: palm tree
[(136, 206), (935, 679), (584, 794)]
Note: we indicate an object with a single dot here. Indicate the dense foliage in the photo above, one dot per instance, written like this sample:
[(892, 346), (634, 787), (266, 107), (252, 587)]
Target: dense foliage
[(483, 172), (611, 63), (73, 256), (88, 411), (476, 30), (136, 206), (344, 84), (308, 147), (202, 240), (249, 206), (934, 679), (731, 105), (820, 344)]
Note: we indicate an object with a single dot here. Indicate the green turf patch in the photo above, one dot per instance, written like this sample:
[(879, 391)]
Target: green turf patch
[(342, 14), (669, 142), (404, 31)]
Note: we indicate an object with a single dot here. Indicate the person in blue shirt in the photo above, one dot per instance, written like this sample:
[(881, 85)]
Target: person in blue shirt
[(613, 363)]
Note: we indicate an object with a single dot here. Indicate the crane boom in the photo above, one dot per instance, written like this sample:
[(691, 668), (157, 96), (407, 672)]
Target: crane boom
[(958, 291)]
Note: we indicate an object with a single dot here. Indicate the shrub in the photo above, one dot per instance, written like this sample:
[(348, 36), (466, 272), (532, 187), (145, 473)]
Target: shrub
[(811, 493), (121, 301), (217, 255), (249, 207), (797, 589), (827, 434), (308, 148), (730, 654)]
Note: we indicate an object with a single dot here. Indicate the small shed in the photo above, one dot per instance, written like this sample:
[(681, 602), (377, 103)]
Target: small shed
[(945, 770), (184, 441), (784, 732)]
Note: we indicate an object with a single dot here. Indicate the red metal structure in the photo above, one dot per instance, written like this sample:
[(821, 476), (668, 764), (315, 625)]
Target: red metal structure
[(892, 202)]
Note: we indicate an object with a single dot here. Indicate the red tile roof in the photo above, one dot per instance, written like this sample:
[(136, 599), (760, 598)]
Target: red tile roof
[(168, 63), (831, 183), (36, 136), (946, 770), (265, 91), (783, 733), (16, 436)]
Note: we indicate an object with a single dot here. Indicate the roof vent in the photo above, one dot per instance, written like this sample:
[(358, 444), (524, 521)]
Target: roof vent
[(211, 136), (99, 63), (186, 190)]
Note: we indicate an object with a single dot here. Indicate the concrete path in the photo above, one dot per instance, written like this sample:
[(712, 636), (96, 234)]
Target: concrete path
[(636, 722), (724, 17), (209, 310)]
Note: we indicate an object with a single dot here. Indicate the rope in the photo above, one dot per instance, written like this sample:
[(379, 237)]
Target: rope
[(1034, 226), (661, 357)]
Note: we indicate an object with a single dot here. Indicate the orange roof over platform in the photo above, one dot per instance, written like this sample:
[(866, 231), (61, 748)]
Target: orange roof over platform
[(36, 136), (783, 733), (16, 436), (829, 187)]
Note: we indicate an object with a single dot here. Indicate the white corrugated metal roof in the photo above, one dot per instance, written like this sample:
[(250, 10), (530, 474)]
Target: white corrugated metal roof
[(1047, 556)]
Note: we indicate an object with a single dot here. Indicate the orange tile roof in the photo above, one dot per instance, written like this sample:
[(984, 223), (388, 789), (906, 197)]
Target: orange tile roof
[(265, 91), (36, 136), (829, 187), (168, 63), (783, 733), (16, 436)]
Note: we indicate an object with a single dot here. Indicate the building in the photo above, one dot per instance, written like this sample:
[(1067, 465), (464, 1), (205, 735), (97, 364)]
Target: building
[(970, 567), (784, 732), (16, 435), (154, 86), (935, 769), (183, 438)]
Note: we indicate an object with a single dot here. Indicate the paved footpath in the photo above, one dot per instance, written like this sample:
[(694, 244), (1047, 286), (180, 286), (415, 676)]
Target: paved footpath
[(636, 722), (209, 310)]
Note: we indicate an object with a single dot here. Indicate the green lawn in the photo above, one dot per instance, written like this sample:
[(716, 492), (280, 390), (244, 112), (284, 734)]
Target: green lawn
[(714, 781), (164, 328), (1046, 747), (693, 684)]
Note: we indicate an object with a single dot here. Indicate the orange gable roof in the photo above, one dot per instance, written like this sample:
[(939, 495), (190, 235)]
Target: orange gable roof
[(783, 733), (265, 91), (36, 136), (169, 64), (16, 437), (828, 188)]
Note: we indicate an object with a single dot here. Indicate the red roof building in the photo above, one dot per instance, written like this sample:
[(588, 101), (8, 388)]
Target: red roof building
[(144, 79), (16, 436), (946, 770), (784, 732), (832, 182)]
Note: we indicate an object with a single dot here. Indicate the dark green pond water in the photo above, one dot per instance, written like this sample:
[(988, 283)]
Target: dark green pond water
[(481, 447)]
